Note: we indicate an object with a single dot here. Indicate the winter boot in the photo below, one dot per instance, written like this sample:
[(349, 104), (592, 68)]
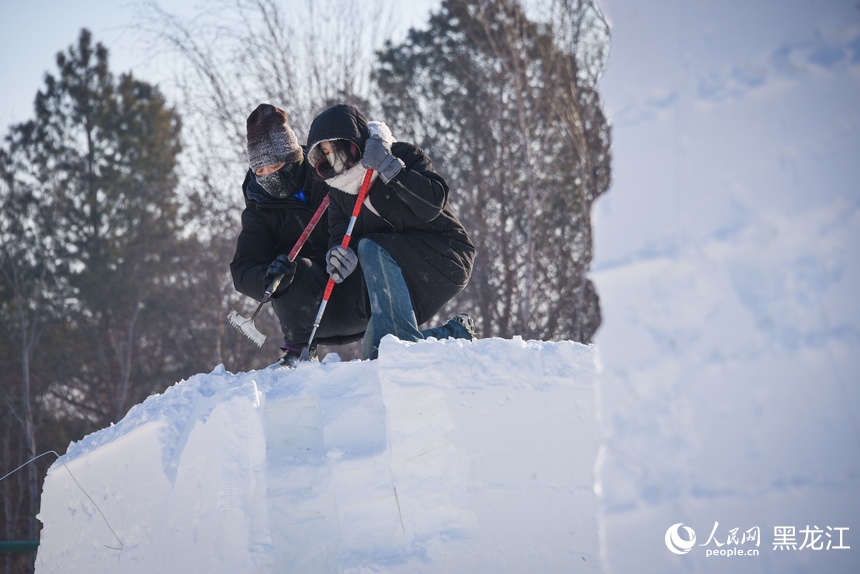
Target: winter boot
[(463, 326), (291, 358), (460, 326)]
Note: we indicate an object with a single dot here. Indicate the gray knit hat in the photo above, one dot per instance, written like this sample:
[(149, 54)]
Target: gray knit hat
[(270, 140)]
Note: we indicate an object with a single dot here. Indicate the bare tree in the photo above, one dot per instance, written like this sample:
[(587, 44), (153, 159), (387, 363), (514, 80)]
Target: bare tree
[(300, 56), (508, 107), (25, 285)]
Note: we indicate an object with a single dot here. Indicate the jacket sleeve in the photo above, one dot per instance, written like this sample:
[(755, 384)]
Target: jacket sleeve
[(418, 187), (338, 219), (255, 250)]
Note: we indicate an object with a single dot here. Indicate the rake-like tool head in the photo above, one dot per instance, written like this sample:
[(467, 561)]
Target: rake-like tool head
[(247, 327)]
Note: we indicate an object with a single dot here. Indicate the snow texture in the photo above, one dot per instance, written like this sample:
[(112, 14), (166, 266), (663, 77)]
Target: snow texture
[(441, 456), (726, 262)]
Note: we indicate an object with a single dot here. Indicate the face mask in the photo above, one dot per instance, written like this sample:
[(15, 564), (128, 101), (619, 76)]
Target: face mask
[(336, 161), (279, 184)]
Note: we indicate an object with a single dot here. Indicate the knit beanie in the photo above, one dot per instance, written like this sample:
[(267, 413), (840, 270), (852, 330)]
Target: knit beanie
[(270, 140)]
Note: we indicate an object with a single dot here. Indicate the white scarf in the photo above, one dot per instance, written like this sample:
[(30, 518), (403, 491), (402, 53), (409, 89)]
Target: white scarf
[(350, 180)]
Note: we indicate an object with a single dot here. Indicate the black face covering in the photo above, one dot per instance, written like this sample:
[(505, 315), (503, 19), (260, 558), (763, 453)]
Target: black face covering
[(343, 156), (281, 183)]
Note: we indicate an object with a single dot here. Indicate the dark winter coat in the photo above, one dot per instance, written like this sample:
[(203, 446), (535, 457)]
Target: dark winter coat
[(271, 226), (410, 217)]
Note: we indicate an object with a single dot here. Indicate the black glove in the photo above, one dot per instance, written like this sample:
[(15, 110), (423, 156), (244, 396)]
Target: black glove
[(377, 155), (340, 262), (280, 266)]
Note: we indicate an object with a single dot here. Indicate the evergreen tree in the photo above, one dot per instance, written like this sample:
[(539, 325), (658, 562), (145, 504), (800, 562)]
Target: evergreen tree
[(107, 149), (513, 120), (26, 313), (98, 299)]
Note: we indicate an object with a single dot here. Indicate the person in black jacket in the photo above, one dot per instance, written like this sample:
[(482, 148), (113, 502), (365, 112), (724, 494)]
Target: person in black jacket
[(414, 253), (281, 196)]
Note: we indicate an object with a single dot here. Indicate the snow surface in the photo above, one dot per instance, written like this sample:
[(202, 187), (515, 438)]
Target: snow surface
[(441, 456), (726, 262), (727, 266)]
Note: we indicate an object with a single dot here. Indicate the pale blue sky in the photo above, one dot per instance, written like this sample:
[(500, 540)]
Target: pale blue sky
[(31, 34), (33, 31)]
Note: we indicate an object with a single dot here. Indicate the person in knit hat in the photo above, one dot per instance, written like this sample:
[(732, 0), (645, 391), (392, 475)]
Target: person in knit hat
[(281, 197), (274, 153)]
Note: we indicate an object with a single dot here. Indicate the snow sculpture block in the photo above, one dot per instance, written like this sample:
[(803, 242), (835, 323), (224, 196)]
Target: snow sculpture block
[(441, 456)]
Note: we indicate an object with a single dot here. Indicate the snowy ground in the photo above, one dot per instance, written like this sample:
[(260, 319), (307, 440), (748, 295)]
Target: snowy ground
[(440, 457), (729, 279), (728, 272)]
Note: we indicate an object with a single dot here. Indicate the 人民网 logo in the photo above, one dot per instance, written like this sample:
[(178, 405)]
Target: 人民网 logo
[(675, 543)]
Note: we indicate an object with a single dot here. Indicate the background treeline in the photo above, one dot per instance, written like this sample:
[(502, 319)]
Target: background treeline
[(120, 209)]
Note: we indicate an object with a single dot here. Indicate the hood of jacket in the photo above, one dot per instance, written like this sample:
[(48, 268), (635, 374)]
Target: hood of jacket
[(344, 122), (339, 122)]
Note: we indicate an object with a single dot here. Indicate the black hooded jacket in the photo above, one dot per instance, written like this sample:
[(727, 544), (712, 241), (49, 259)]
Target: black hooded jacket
[(410, 217), (271, 226)]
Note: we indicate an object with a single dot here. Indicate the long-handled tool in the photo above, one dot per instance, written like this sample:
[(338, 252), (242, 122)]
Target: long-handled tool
[(306, 352), (246, 326)]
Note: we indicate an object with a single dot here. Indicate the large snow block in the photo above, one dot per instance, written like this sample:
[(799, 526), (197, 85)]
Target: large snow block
[(441, 456), (177, 486), (492, 449)]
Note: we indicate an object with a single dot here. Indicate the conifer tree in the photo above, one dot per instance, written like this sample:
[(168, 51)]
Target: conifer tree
[(508, 109), (106, 149), (97, 290)]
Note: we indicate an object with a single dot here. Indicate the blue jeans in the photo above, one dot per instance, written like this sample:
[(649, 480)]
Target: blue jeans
[(391, 310)]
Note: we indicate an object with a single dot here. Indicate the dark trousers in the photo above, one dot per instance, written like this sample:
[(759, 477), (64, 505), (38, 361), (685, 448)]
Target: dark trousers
[(345, 317)]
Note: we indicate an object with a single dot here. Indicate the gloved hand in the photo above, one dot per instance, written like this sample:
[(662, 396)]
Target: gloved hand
[(340, 262), (281, 265), (377, 155)]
